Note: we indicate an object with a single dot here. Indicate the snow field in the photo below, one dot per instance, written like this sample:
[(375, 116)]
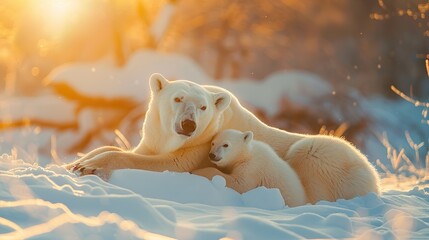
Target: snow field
[(51, 203)]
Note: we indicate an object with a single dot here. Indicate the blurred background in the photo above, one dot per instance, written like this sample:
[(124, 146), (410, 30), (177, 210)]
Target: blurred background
[(367, 44), (359, 48)]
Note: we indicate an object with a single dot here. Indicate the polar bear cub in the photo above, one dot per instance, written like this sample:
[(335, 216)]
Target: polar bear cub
[(248, 164)]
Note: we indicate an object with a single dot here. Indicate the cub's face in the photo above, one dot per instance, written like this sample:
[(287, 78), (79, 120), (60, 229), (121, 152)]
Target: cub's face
[(227, 146), (185, 108)]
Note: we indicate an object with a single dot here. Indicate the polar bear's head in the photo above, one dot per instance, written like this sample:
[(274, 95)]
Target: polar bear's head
[(183, 111), (228, 147)]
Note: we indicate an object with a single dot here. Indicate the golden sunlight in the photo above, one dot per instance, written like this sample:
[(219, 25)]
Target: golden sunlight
[(59, 9), (57, 13), (104, 218)]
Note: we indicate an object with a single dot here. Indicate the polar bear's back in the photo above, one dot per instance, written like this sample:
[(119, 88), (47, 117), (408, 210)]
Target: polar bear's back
[(276, 173), (330, 168), (239, 118)]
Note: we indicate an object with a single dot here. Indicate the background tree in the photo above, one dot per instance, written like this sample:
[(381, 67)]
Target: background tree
[(343, 41)]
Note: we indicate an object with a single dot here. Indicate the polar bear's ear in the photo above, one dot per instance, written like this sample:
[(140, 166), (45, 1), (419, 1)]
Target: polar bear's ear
[(221, 100), (247, 136), (157, 82)]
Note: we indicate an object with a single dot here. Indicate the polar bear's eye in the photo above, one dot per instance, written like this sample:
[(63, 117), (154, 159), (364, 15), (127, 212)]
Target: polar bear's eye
[(177, 100), (203, 108), (225, 145)]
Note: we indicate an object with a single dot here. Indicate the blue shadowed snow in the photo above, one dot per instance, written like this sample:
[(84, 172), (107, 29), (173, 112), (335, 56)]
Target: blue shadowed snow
[(181, 205)]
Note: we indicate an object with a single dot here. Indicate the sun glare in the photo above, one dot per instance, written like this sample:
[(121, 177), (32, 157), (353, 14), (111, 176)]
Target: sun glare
[(58, 13), (59, 9)]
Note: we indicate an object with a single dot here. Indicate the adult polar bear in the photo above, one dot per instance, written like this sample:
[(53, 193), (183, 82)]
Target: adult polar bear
[(183, 117)]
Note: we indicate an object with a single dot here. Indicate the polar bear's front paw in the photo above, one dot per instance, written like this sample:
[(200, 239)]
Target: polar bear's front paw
[(72, 166), (97, 167)]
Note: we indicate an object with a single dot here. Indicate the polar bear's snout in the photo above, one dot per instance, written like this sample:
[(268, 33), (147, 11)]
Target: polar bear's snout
[(187, 124), (213, 157)]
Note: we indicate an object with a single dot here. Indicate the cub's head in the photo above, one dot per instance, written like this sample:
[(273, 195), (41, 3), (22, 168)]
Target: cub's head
[(185, 109), (228, 146)]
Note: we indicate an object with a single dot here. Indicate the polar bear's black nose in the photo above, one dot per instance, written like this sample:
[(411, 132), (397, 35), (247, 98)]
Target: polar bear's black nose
[(212, 156), (188, 126)]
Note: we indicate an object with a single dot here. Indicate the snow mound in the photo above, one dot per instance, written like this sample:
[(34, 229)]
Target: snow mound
[(188, 188), (104, 79), (51, 203), (43, 108), (298, 87)]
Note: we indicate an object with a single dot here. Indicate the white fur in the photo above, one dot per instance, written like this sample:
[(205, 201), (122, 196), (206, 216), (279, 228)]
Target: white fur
[(252, 163), (329, 167), (164, 114)]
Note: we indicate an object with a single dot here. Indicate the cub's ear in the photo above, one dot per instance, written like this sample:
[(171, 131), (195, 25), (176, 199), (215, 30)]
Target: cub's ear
[(247, 136), (221, 100), (157, 82)]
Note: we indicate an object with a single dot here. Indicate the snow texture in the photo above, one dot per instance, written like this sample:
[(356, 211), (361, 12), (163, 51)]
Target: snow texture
[(51, 203)]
